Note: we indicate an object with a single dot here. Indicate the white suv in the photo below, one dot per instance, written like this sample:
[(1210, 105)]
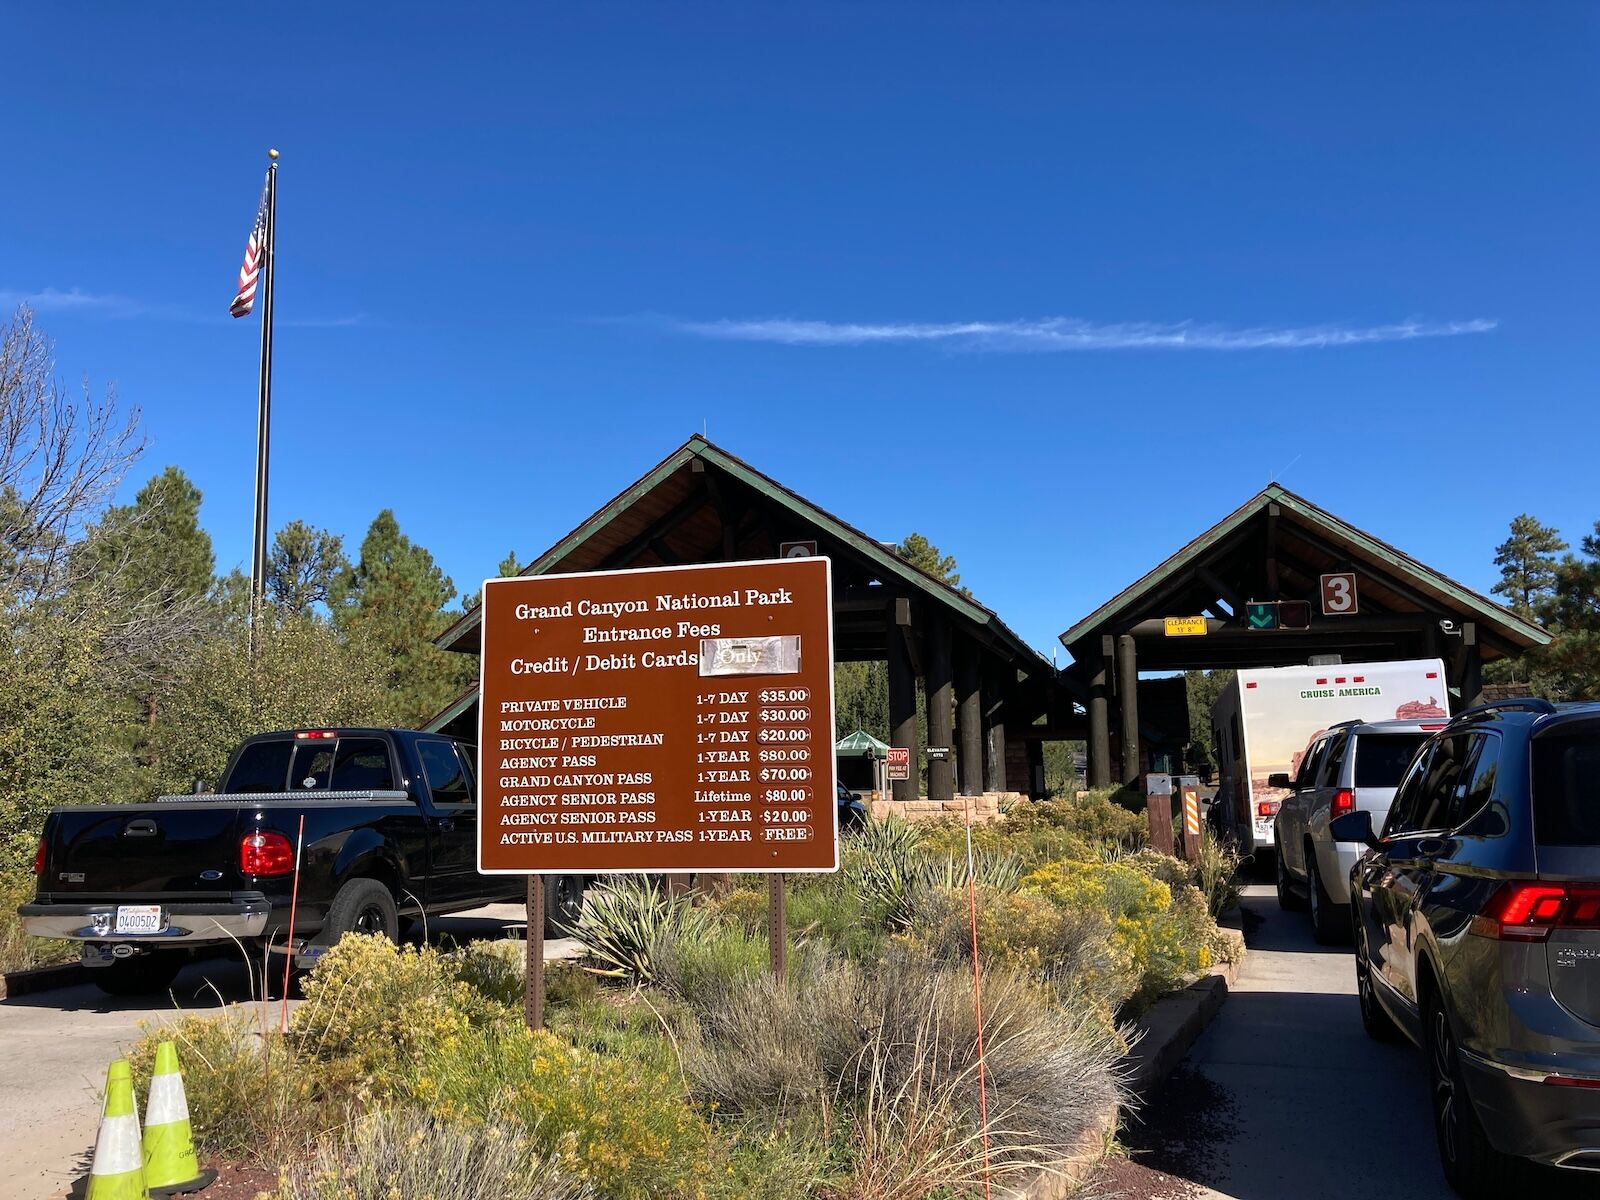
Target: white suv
[(1354, 765)]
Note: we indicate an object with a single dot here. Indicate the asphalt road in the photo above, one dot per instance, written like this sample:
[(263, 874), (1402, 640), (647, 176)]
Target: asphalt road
[(1285, 1095), (55, 1046)]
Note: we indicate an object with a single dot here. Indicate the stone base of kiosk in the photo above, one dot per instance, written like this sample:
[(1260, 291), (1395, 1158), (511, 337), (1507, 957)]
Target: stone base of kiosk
[(988, 807)]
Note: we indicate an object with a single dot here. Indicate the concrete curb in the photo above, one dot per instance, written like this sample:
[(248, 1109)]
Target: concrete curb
[(1175, 1022), (41, 979)]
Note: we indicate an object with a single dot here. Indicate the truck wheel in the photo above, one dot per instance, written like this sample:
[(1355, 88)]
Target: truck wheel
[(1328, 923), (1288, 898), (563, 904), (141, 975), (361, 906)]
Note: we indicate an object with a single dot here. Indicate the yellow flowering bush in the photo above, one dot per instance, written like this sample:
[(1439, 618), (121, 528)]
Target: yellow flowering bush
[(1162, 935), (621, 1126), (372, 1009)]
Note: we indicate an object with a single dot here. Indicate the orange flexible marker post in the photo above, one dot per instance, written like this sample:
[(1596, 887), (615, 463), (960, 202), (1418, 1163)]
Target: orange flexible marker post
[(294, 900)]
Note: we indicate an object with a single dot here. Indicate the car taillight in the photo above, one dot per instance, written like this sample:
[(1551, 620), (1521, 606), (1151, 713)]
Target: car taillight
[(1344, 801), (38, 859), (1525, 911), (1267, 808), (265, 854)]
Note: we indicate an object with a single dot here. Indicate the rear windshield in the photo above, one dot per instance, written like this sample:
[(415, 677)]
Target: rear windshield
[(1566, 790), (1381, 758), (354, 764), (262, 767)]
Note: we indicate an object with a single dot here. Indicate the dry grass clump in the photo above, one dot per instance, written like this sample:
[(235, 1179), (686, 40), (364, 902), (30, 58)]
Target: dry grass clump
[(407, 1153)]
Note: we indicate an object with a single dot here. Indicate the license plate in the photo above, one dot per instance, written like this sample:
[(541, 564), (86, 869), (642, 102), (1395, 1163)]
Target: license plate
[(139, 918), (1263, 829)]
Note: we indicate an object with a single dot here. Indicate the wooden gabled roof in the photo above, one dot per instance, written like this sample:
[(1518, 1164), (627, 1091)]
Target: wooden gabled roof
[(671, 514), (1309, 539)]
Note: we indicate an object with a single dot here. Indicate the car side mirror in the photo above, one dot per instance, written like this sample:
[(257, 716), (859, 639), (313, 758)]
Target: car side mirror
[(1279, 780), (1353, 827)]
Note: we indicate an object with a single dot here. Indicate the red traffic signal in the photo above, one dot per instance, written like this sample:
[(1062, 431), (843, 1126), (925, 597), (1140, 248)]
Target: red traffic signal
[(1294, 614)]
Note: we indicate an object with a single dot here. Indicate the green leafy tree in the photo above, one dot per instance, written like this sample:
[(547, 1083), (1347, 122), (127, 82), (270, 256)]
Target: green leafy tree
[(304, 563), (1202, 689), (305, 673), (1527, 562), (923, 554), (394, 597)]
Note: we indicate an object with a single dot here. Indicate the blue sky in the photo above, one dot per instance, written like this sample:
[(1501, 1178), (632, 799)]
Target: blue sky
[(1057, 285)]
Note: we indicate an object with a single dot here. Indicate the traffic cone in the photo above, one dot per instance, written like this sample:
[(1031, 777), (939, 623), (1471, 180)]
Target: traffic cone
[(169, 1160), (118, 1170)]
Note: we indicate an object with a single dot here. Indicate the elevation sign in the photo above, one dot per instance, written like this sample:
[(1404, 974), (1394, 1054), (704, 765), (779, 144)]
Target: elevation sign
[(665, 719)]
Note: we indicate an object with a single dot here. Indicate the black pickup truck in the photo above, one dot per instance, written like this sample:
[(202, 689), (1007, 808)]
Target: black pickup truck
[(390, 835)]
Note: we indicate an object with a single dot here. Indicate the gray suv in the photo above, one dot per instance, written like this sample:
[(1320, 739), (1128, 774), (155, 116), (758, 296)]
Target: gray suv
[(1476, 917)]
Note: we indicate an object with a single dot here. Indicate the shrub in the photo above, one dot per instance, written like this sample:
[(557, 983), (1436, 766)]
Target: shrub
[(626, 918), (1217, 875), (371, 1008), (1070, 947), (18, 951), (495, 970), (623, 1128), (878, 1040), (703, 968), (1164, 936), (250, 1097), (409, 1154), (1095, 817)]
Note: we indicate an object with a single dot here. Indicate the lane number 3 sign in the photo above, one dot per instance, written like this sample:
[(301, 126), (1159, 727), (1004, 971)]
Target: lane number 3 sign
[(1339, 595)]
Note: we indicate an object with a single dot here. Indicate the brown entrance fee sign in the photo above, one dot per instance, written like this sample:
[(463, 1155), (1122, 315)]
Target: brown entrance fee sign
[(665, 719)]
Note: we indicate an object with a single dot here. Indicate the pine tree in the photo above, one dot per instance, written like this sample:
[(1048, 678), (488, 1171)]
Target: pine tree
[(1527, 562), (395, 597), (304, 563), (923, 554), (152, 553)]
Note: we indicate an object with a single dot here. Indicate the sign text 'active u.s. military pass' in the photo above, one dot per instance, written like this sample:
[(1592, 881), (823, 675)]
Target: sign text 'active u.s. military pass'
[(664, 719)]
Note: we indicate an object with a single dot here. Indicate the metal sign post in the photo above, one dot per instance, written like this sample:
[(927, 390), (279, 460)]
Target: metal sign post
[(533, 990)]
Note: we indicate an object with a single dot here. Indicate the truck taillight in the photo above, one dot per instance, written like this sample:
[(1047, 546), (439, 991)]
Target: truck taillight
[(1267, 808), (38, 859), (1525, 911), (265, 854), (1344, 801)]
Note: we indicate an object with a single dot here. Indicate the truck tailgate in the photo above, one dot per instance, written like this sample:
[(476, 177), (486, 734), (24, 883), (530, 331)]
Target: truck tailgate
[(135, 850)]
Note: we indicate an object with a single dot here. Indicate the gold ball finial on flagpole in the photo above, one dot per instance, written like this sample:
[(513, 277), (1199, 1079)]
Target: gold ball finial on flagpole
[(273, 155)]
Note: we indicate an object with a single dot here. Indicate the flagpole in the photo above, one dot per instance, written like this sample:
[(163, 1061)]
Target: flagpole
[(258, 558)]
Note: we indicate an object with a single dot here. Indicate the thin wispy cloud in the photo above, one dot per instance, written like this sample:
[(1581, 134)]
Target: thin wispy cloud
[(75, 301), (51, 300), (1062, 334)]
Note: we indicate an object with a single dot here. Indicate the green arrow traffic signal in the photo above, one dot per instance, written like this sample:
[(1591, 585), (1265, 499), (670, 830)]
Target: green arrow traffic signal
[(1261, 615)]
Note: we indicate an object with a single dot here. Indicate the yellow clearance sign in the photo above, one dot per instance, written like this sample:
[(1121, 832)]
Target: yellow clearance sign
[(1186, 626)]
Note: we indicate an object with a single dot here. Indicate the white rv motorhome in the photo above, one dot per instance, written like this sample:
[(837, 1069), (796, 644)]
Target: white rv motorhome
[(1265, 719)]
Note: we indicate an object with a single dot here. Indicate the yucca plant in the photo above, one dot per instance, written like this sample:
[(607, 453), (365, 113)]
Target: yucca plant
[(990, 868), (626, 918), (884, 865)]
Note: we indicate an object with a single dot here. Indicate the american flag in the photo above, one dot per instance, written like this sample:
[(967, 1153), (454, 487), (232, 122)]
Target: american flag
[(250, 272)]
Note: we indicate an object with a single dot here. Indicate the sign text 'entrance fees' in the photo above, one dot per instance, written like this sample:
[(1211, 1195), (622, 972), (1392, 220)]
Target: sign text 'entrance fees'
[(665, 719)]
